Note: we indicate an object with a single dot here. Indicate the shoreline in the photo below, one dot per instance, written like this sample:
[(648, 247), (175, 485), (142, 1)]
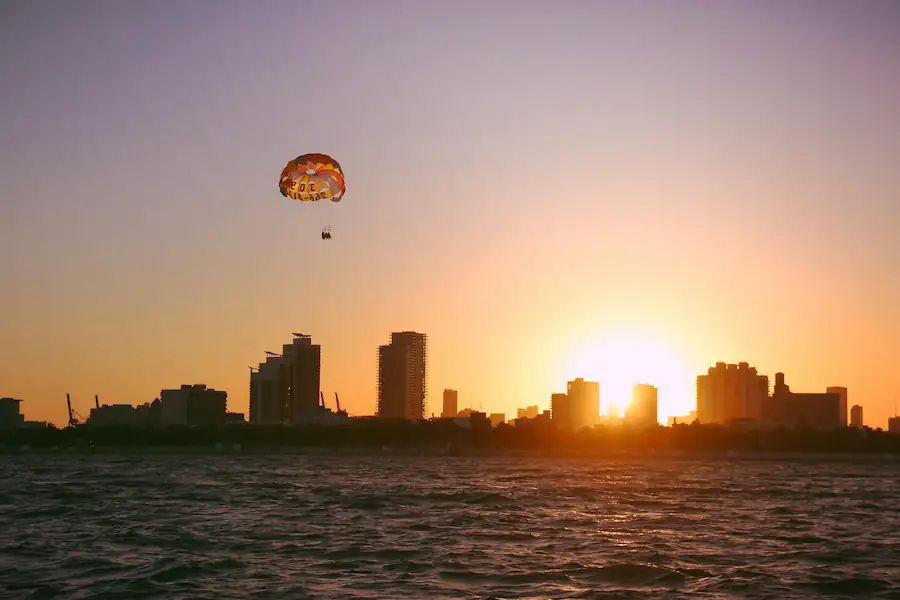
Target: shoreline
[(339, 452)]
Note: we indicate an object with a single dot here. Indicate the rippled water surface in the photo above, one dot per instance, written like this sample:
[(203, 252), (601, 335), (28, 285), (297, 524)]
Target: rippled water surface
[(285, 526)]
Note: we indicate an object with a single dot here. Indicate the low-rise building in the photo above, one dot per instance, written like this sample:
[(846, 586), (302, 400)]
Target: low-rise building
[(10, 415), (193, 405)]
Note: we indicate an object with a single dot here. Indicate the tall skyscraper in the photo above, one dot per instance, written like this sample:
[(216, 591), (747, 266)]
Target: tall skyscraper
[(451, 404), (643, 409), (729, 392), (584, 397), (285, 388), (842, 394), (856, 416), (403, 376), (304, 361)]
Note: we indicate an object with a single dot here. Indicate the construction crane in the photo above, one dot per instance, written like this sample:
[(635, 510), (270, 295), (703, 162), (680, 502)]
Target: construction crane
[(74, 417), (96, 400), (337, 401), (301, 335), (322, 399), (272, 353)]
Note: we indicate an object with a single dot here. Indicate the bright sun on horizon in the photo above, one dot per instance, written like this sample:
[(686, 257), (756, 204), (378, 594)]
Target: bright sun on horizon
[(620, 359)]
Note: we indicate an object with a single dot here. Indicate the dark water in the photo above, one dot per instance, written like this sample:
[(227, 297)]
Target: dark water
[(282, 526)]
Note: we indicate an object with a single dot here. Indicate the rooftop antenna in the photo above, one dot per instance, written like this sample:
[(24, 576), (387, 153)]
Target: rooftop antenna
[(96, 400)]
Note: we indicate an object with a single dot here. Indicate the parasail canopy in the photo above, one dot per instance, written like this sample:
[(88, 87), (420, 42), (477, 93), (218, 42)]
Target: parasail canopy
[(312, 177)]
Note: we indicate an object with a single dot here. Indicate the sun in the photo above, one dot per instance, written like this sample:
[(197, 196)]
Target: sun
[(618, 360)]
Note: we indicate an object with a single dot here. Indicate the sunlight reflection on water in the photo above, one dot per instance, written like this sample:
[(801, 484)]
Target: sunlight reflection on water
[(284, 526)]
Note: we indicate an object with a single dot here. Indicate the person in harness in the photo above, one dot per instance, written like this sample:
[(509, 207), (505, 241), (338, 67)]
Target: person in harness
[(326, 233)]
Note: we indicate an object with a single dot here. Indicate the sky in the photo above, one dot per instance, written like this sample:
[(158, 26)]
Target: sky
[(624, 191)]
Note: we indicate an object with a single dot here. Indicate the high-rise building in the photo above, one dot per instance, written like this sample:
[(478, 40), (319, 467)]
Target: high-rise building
[(561, 410), (304, 363), (643, 409), (451, 404), (856, 416), (403, 376), (842, 394), (584, 397), (269, 392), (729, 392), (285, 388)]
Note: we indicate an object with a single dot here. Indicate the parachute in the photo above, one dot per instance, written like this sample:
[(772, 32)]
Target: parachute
[(312, 177)]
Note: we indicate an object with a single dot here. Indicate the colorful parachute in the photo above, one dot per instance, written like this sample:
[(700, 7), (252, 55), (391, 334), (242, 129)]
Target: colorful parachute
[(312, 177)]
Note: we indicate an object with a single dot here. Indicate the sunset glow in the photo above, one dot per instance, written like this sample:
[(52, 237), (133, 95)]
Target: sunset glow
[(620, 359)]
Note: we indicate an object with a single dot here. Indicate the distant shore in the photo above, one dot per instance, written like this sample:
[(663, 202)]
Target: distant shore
[(430, 452), (441, 439)]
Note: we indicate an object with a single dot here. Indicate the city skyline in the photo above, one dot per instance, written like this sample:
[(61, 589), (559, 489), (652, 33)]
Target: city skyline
[(624, 192), (728, 391)]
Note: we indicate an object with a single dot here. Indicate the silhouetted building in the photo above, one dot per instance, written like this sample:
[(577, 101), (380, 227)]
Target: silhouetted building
[(497, 419), (116, 415), (842, 393), (403, 376), (578, 407), (269, 392), (814, 411), (560, 410), (451, 404), (10, 417), (856, 416), (285, 388), (149, 414), (194, 405), (234, 418), (304, 365), (585, 399), (479, 420), (894, 425), (539, 421), (126, 415), (643, 409), (731, 392), (530, 412)]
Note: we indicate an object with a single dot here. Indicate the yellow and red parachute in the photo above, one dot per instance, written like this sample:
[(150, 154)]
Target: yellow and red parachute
[(312, 177)]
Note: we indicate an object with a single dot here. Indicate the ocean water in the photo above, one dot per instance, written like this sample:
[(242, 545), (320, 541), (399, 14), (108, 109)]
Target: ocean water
[(289, 526)]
